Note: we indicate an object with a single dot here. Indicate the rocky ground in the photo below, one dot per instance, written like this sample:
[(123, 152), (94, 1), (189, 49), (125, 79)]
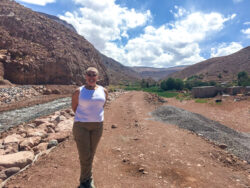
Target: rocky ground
[(21, 145), (135, 151), (13, 97)]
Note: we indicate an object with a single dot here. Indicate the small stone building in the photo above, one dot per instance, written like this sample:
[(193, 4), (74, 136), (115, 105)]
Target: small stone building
[(204, 92), (247, 90), (235, 90)]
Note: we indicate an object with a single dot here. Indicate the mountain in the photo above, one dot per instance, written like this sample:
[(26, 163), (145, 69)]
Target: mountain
[(58, 20), (39, 50), (157, 73), (118, 73), (222, 69)]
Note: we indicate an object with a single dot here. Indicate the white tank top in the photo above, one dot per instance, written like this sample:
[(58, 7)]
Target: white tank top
[(90, 105)]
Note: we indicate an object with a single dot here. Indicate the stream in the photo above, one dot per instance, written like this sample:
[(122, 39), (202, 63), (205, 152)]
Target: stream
[(15, 117)]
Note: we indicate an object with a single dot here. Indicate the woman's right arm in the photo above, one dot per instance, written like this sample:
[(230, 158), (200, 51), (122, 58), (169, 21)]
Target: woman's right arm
[(74, 102)]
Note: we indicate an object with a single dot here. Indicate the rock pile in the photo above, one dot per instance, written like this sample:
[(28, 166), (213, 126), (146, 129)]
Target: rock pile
[(154, 98), (19, 146), (14, 94), (20, 93)]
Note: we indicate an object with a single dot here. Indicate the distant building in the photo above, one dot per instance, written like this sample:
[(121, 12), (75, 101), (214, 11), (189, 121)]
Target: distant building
[(204, 92), (234, 90)]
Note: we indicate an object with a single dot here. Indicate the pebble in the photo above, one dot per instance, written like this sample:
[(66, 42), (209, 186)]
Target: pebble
[(113, 126), (141, 170), (52, 143), (223, 146)]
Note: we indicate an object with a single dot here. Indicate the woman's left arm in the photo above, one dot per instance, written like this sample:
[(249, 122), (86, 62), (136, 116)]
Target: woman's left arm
[(106, 96)]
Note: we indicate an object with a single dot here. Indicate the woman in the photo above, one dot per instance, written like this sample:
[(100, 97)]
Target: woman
[(88, 104)]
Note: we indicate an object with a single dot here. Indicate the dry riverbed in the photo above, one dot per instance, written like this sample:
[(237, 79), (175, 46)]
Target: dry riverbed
[(136, 151)]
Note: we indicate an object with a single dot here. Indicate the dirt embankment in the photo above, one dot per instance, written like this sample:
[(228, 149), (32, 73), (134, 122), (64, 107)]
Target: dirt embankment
[(139, 153), (14, 97)]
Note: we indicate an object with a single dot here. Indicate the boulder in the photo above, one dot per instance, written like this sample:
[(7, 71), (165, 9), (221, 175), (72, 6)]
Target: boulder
[(46, 126), (56, 91), (47, 91), (50, 130), (60, 118), (41, 147), (30, 142), (13, 138), (60, 136), (20, 159), (2, 176), (41, 121), (36, 132), (2, 152), (66, 125), (10, 171), (11, 148)]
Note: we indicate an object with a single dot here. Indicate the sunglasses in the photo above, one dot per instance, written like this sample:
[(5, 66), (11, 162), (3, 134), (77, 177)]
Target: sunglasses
[(91, 75)]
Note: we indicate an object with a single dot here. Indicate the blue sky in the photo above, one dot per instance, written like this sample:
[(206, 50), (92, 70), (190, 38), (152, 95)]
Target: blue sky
[(162, 33)]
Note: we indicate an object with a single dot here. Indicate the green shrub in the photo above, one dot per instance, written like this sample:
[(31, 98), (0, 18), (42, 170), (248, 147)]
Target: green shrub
[(201, 100)]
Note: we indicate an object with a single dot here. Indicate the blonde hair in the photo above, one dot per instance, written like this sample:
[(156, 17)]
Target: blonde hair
[(92, 69)]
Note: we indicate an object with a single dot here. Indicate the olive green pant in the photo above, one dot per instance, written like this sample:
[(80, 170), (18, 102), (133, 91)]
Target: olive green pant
[(87, 136)]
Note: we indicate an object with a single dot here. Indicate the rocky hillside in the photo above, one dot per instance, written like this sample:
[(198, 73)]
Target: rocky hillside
[(221, 69), (38, 50), (157, 73), (118, 73), (58, 20)]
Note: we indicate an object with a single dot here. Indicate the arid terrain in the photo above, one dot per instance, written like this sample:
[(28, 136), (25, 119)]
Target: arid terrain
[(220, 69), (136, 151)]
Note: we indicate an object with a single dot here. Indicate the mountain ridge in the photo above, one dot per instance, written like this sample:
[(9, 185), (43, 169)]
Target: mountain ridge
[(220, 69)]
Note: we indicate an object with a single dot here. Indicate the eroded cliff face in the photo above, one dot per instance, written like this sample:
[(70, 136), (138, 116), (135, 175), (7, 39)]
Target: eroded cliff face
[(41, 51)]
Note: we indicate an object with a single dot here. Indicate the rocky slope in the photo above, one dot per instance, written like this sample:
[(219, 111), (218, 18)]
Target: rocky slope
[(223, 68), (38, 50), (157, 73), (118, 73), (58, 20)]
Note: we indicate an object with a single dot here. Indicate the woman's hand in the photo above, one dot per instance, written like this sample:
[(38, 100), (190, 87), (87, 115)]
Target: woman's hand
[(75, 97)]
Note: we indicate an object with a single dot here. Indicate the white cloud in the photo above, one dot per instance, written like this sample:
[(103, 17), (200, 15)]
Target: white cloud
[(225, 49), (38, 2), (247, 23), (246, 32), (104, 23), (179, 11)]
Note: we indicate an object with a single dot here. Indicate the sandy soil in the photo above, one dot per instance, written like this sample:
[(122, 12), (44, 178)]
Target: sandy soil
[(235, 115), (143, 153)]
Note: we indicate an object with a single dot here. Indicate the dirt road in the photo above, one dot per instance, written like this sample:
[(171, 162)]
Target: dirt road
[(140, 153)]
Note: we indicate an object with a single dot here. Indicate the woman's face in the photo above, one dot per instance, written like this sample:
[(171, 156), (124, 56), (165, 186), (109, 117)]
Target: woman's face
[(91, 78)]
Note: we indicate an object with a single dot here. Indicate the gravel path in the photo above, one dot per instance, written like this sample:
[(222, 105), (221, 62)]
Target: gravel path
[(14, 117), (236, 142)]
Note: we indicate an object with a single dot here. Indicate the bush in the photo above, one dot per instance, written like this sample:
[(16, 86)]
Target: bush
[(172, 84), (243, 79)]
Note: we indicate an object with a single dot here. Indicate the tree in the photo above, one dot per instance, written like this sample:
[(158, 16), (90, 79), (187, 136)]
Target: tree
[(243, 79), (170, 84), (179, 85), (163, 85)]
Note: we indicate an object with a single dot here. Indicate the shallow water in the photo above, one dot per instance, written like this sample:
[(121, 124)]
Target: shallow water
[(15, 117)]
